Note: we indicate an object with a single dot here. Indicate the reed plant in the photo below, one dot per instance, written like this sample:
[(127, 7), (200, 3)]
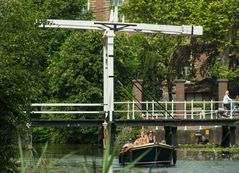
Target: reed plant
[(31, 163)]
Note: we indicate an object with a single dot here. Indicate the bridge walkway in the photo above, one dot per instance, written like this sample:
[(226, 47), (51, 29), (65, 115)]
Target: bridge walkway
[(195, 113)]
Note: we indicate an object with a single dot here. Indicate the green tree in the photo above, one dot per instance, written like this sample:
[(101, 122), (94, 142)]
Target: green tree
[(218, 18), (75, 76), (72, 9), (52, 39), (20, 53)]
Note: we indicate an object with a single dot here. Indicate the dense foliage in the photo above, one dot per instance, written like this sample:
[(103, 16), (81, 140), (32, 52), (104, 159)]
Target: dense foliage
[(24, 53), (20, 52), (220, 24)]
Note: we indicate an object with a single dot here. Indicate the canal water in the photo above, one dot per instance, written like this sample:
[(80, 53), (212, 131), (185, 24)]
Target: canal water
[(79, 158)]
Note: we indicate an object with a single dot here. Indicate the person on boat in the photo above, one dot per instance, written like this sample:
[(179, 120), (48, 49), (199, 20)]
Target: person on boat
[(138, 140), (144, 139), (151, 137), (226, 103), (128, 144), (141, 140)]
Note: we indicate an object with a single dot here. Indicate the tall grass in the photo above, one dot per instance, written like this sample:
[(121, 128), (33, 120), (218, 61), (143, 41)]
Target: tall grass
[(30, 163)]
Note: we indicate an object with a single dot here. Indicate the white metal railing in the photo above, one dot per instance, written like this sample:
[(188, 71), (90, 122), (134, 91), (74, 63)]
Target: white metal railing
[(150, 109), (167, 109), (49, 108)]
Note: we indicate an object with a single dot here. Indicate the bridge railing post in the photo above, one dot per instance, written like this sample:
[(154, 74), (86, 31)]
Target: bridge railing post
[(153, 109), (147, 110), (157, 112), (128, 111), (172, 108), (211, 106), (166, 107), (231, 109), (133, 117), (200, 117), (191, 109), (185, 113), (204, 110)]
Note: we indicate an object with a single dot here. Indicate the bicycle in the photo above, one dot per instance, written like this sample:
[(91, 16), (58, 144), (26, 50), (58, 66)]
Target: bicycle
[(225, 113)]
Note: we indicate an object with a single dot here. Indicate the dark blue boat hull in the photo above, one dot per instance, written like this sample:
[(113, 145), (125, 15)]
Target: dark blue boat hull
[(160, 154)]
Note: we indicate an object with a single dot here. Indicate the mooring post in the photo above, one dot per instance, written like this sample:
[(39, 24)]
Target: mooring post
[(171, 139), (225, 137), (171, 135), (228, 136), (232, 136)]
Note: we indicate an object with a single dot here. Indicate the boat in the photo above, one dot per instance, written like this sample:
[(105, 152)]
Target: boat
[(151, 153)]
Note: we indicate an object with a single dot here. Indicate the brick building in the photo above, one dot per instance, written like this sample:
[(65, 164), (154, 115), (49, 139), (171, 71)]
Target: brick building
[(101, 8)]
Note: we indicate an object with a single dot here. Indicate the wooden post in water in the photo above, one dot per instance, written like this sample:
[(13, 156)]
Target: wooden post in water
[(171, 135), (105, 134), (108, 135), (228, 136), (171, 139), (232, 136)]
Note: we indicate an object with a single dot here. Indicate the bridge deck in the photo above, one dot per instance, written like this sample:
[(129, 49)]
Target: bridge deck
[(159, 122)]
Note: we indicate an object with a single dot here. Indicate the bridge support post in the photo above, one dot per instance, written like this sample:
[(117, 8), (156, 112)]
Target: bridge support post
[(101, 137), (171, 135), (232, 136), (228, 136), (111, 134)]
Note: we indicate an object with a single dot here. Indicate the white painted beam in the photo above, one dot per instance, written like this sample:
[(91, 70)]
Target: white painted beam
[(125, 27)]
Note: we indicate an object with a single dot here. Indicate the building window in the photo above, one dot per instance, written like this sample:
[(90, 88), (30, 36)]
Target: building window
[(116, 2)]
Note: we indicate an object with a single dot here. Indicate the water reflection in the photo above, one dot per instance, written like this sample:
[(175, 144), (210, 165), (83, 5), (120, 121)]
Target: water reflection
[(73, 158), (59, 150)]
